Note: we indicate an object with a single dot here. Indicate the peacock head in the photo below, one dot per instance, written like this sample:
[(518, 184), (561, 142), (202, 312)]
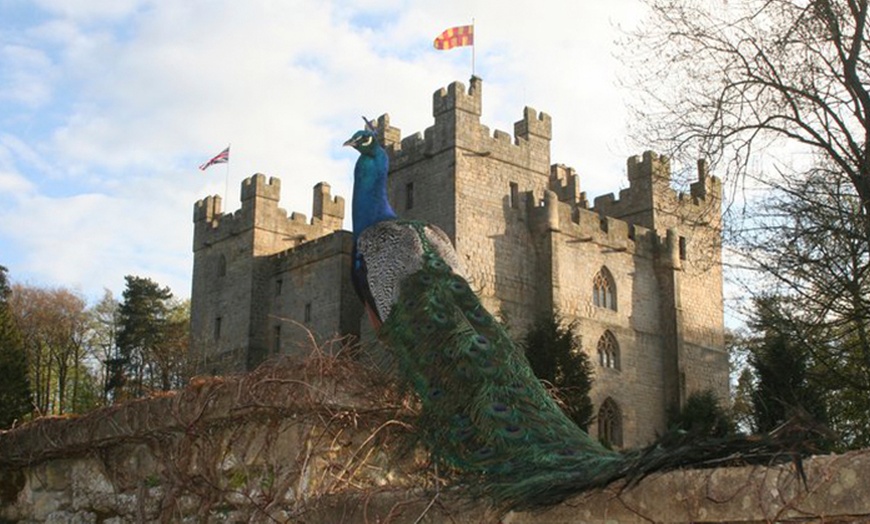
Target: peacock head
[(364, 141)]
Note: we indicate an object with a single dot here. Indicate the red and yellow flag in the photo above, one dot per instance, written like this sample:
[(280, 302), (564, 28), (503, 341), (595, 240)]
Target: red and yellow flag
[(455, 37)]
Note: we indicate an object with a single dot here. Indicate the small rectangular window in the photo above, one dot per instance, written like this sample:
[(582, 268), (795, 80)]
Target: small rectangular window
[(682, 248), (409, 195), (279, 285), (217, 328), (308, 312), (276, 339), (515, 195)]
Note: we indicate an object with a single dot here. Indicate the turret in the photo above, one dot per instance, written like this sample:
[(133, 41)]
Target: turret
[(328, 211)]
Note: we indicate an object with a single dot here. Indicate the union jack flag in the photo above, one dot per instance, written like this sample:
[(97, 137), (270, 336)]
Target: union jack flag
[(455, 37), (222, 158)]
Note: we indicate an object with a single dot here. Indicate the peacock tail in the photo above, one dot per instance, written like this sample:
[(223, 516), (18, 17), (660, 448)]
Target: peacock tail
[(484, 414)]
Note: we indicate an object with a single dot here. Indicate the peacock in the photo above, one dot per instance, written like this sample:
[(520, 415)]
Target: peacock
[(484, 415)]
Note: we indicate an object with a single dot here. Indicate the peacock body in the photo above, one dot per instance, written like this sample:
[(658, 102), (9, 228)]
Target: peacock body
[(485, 416)]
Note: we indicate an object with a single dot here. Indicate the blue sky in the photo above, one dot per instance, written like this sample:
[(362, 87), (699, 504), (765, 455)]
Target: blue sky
[(107, 107)]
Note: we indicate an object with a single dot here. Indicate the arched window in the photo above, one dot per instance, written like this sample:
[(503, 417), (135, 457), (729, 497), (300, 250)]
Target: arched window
[(222, 266), (604, 290), (610, 423), (608, 351)]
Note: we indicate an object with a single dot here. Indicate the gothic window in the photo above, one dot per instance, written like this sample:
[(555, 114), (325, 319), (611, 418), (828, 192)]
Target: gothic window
[(222, 266), (604, 290), (610, 423), (608, 351)]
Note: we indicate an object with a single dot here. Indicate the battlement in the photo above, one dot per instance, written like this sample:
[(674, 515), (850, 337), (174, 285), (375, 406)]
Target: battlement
[(257, 186), (534, 124), (454, 97), (566, 184), (327, 210), (207, 209), (651, 201), (649, 167), (260, 211), (457, 125), (584, 225)]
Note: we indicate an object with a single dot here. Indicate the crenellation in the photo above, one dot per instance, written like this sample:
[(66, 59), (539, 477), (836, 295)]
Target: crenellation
[(328, 212), (257, 187), (534, 124), (604, 201), (208, 209), (388, 135), (649, 167), (500, 136), (565, 182), (455, 98)]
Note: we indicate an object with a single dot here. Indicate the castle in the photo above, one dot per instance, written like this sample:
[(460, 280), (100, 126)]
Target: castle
[(640, 275)]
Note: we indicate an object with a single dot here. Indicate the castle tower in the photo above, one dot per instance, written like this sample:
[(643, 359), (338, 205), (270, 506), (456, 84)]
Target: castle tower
[(231, 264), (473, 183)]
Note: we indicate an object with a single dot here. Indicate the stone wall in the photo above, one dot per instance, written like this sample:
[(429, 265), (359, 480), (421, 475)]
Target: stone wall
[(326, 441)]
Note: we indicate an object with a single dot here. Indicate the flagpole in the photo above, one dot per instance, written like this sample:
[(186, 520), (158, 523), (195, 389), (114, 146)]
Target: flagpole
[(227, 183), (472, 47)]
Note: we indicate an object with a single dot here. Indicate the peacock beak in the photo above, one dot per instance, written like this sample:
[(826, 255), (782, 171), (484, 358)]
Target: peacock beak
[(350, 142)]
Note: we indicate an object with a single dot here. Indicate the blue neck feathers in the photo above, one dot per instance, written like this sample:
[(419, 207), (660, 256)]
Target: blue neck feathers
[(370, 204)]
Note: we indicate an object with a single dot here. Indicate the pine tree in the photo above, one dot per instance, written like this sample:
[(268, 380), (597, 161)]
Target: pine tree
[(142, 329), (781, 364), (554, 353)]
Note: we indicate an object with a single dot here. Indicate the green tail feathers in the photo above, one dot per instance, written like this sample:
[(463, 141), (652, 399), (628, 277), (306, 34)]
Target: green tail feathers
[(484, 413)]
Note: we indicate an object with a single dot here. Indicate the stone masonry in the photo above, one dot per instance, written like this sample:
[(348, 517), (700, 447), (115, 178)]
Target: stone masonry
[(639, 275)]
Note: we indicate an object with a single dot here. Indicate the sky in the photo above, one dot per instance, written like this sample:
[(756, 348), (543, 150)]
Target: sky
[(107, 108)]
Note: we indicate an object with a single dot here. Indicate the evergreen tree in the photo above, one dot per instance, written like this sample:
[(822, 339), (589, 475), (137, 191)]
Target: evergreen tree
[(555, 356), (14, 386), (142, 318), (781, 364), (703, 416)]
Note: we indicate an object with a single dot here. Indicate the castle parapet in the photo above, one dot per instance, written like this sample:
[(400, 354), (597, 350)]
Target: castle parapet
[(650, 200), (260, 211), (565, 183), (534, 124), (327, 210), (257, 187), (454, 98), (457, 125), (208, 209)]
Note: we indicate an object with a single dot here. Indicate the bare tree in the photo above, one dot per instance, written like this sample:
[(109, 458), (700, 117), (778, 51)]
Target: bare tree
[(730, 79), (101, 338)]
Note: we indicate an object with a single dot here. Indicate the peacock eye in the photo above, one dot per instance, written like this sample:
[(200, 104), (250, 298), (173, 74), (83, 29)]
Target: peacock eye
[(367, 141)]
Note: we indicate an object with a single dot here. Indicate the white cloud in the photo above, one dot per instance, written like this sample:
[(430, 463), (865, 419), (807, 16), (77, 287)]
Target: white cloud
[(131, 96)]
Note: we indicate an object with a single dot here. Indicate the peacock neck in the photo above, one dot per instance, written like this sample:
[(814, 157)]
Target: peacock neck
[(370, 203)]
